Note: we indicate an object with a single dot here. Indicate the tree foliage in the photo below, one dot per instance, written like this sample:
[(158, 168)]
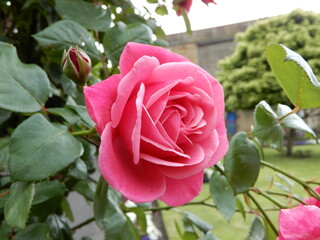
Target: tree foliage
[(245, 74)]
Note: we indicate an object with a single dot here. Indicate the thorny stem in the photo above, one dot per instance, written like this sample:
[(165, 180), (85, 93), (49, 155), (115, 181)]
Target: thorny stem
[(286, 195), (89, 220), (90, 141), (84, 132), (218, 168), (298, 180), (264, 194), (262, 211), (187, 204), (4, 193)]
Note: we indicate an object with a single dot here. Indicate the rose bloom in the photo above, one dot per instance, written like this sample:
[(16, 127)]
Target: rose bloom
[(300, 223), (161, 123)]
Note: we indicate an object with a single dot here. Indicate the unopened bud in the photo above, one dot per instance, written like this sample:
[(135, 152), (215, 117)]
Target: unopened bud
[(76, 65)]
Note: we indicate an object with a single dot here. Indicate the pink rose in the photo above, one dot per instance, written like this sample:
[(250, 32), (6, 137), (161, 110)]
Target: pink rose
[(161, 122), (301, 223)]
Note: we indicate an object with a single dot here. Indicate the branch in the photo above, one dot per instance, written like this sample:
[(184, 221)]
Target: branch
[(312, 192), (84, 132), (265, 215), (89, 220)]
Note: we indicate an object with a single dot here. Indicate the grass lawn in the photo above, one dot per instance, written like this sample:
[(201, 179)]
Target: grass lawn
[(237, 229)]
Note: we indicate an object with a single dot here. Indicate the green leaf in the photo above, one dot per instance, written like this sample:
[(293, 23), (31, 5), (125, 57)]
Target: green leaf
[(240, 208), (38, 150), (83, 113), (293, 120), (59, 228), (242, 163), (24, 87), (69, 115), (222, 195), (48, 189), (89, 15), (161, 10), (267, 127), (295, 76), (189, 236), (78, 170), (209, 236), (179, 231), (5, 231), (201, 224), (66, 208), (269, 233), (117, 37), (63, 34), (109, 216), (34, 231), (86, 189), (282, 187), (256, 230), (141, 218), (4, 197), (4, 116), (17, 206), (59, 78), (4, 154), (44, 209), (285, 179)]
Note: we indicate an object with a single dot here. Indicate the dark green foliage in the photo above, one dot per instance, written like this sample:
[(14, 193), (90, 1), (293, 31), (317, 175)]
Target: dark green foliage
[(246, 75), (41, 162)]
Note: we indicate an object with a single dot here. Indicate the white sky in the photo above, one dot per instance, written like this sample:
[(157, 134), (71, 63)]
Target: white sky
[(227, 12)]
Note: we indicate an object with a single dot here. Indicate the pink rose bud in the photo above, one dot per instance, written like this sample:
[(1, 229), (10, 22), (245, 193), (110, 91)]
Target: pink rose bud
[(76, 65), (182, 5)]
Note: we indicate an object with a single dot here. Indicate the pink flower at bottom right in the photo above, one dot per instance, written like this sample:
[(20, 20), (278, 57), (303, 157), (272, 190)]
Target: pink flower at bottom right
[(300, 223)]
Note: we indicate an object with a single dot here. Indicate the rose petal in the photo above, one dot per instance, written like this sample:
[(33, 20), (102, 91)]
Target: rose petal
[(152, 147), (133, 51), (155, 91), (218, 100), (130, 124), (185, 70), (181, 191), (209, 148), (139, 73), (300, 223), (223, 145), (171, 125), (196, 155), (99, 99), (139, 183), (149, 130)]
